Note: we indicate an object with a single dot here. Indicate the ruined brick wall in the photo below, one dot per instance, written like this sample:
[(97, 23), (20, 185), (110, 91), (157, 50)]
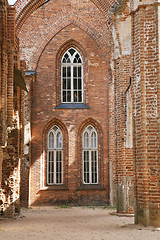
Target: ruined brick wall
[(11, 116), (120, 117), (146, 114)]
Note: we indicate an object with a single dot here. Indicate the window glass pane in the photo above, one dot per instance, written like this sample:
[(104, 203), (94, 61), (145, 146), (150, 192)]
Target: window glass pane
[(79, 96), (79, 84), (55, 128), (64, 84), (77, 56), (68, 71), (93, 140), (64, 71), (68, 96), (79, 72), (94, 166), (72, 51), (51, 140), (64, 96), (51, 167), (66, 56), (86, 166), (68, 83), (74, 71), (75, 83), (75, 60), (59, 140), (79, 60), (86, 140), (75, 96), (58, 167)]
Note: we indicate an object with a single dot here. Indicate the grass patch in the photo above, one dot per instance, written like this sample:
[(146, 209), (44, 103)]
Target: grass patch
[(65, 206), (109, 208)]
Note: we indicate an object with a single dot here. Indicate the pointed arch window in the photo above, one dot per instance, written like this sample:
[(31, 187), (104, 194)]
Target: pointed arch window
[(71, 77), (55, 156), (90, 155)]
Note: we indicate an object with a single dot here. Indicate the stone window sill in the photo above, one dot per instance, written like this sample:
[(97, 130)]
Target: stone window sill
[(91, 187), (72, 106)]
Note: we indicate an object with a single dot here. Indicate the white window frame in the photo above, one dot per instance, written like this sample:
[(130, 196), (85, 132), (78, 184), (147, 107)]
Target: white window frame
[(54, 151), (90, 149), (72, 65)]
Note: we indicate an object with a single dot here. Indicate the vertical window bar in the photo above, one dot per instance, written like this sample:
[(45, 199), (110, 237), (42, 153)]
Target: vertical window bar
[(54, 167), (49, 157), (90, 169)]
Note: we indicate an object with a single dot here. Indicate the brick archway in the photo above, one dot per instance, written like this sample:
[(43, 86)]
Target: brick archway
[(25, 8)]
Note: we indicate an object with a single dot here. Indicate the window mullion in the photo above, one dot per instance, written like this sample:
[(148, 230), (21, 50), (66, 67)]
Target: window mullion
[(97, 165), (54, 166), (48, 167), (61, 83), (82, 80), (71, 82), (90, 169)]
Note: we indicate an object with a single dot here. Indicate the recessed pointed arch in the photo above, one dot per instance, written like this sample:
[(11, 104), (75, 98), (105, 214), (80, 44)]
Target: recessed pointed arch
[(101, 41)]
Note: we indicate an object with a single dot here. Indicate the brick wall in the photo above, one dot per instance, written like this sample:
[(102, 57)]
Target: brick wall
[(11, 116), (43, 110), (145, 115)]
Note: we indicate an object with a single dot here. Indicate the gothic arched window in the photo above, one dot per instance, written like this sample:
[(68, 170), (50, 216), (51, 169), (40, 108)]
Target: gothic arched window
[(71, 77), (90, 155), (55, 156)]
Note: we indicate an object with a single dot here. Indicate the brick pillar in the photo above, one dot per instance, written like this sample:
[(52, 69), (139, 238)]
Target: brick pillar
[(3, 63), (25, 168), (10, 87), (1, 160), (10, 77), (146, 142)]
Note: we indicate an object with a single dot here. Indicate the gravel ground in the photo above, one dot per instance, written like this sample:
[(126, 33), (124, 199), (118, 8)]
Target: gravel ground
[(73, 223)]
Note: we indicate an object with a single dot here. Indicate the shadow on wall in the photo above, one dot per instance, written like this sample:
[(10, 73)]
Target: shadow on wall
[(10, 184)]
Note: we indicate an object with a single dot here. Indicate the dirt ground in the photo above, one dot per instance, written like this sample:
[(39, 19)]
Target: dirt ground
[(73, 223)]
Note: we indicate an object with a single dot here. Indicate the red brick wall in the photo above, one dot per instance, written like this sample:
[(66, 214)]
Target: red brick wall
[(120, 155), (146, 132), (48, 25), (11, 116), (25, 8), (43, 111)]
